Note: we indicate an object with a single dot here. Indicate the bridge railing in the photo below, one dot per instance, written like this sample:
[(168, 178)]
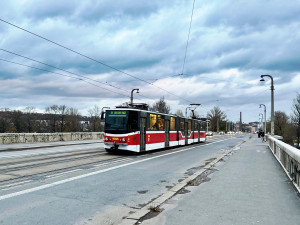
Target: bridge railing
[(289, 158)]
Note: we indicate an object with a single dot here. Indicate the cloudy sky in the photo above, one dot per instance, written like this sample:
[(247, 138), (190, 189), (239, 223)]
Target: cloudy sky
[(141, 44)]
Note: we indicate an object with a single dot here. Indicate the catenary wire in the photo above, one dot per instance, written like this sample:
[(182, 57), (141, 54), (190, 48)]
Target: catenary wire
[(60, 74), (187, 42), (90, 58), (34, 60)]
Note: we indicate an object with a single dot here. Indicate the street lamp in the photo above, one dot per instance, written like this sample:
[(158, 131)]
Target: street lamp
[(272, 100), (131, 97), (265, 126), (261, 119)]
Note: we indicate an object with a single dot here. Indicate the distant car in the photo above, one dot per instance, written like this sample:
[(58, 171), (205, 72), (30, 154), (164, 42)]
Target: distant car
[(221, 133), (209, 133)]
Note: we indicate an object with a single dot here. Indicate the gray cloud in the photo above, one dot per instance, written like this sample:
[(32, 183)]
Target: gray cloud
[(231, 44)]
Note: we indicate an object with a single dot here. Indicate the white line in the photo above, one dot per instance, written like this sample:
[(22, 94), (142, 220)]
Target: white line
[(90, 174)]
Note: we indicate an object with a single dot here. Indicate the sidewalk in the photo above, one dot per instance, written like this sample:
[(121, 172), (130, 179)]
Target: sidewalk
[(249, 187), (36, 145)]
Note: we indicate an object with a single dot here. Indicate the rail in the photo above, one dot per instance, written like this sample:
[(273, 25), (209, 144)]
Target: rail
[(289, 158)]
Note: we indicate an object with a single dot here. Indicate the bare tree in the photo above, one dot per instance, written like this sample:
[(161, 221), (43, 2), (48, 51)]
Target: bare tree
[(29, 118), (296, 117), (53, 111), (179, 112), (281, 121), (95, 114), (160, 106), (72, 120), (62, 111), (216, 117), (17, 123)]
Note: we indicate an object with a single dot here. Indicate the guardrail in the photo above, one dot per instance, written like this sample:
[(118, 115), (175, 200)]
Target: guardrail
[(289, 158), (11, 138)]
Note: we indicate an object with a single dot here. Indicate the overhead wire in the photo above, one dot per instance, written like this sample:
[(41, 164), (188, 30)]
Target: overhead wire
[(55, 67), (90, 58), (36, 68), (187, 42)]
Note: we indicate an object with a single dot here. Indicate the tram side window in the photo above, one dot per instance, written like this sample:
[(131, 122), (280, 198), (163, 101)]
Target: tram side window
[(153, 122), (202, 125), (161, 122), (190, 127), (182, 127), (195, 126), (133, 124), (172, 124)]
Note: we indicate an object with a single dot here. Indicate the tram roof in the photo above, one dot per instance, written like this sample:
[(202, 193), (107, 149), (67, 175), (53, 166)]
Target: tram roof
[(147, 111)]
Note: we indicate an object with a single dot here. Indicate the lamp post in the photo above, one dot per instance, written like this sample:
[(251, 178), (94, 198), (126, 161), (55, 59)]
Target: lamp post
[(272, 100), (131, 97), (265, 111), (261, 119)]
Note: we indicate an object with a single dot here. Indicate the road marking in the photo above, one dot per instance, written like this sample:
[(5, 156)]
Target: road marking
[(30, 190)]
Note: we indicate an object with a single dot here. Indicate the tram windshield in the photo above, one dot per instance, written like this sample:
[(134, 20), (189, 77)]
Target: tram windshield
[(121, 121)]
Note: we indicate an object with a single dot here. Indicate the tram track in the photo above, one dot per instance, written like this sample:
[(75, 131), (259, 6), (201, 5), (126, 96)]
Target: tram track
[(38, 167), (42, 175), (15, 164), (41, 167)]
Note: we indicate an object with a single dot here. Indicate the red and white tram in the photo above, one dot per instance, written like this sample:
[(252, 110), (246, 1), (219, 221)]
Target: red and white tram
[(138, 130)]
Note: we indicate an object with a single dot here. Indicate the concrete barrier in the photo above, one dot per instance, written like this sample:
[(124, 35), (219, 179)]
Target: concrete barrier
[(11, 138), (289, 158)]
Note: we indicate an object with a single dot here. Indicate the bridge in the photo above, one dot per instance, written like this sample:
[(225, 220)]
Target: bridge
[(230, 179)]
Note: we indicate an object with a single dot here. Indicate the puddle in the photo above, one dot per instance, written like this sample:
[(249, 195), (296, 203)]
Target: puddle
[(143, 192), (191, 171), (183, 191), (202, 178)]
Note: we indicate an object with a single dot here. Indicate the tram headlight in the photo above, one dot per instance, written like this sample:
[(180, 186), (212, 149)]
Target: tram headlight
[(123, 139), (106, 139)]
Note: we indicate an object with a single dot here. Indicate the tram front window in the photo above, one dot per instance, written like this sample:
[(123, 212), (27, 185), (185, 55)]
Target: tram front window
[(120, 122)]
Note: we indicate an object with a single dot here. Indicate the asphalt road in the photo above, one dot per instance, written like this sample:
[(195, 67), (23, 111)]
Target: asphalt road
[(103, 192)]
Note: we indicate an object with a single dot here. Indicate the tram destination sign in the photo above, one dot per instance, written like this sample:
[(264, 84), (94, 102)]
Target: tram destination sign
[(118, 113)]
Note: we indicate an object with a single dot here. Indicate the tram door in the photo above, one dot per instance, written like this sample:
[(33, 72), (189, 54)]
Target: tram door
[(186, 132), (167, 134), (143, 134)]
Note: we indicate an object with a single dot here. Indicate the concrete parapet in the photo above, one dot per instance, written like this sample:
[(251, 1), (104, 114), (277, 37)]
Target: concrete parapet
[(11, 138), (289, 158)]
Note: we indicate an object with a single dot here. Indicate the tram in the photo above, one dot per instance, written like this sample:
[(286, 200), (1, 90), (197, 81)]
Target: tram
[(137, 130)]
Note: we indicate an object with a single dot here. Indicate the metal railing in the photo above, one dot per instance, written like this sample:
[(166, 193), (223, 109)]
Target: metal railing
[(289, 158)]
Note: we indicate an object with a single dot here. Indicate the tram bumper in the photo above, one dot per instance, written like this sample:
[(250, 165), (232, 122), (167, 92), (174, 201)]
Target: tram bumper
[(114, 146)]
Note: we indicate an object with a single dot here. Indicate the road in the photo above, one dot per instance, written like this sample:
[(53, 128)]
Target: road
[(85, 185)]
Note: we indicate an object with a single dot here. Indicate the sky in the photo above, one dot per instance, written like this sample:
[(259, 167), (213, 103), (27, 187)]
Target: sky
[(143, 44)]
